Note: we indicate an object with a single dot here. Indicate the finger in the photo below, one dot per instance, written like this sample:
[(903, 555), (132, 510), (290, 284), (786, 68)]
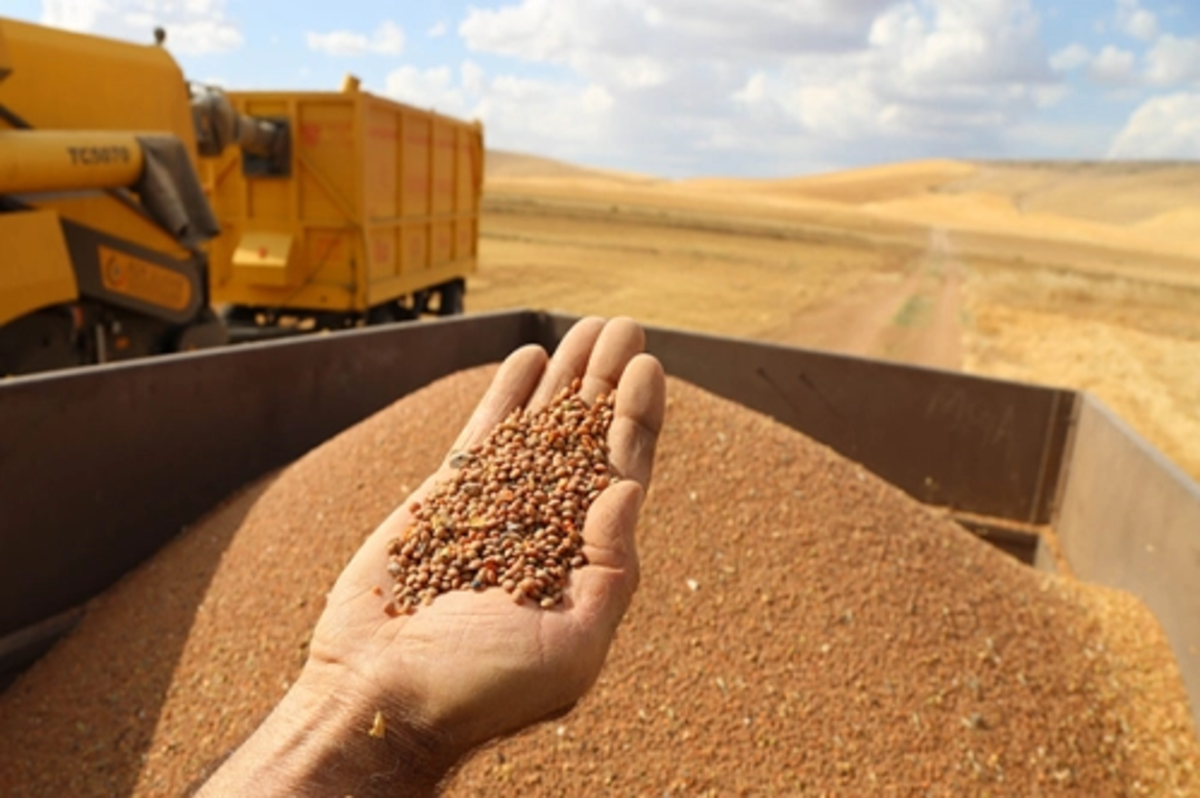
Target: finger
[(603, 589), (557, 714), (638, 419), (570, 360), (511, 388), (619, 342), (608, 532)]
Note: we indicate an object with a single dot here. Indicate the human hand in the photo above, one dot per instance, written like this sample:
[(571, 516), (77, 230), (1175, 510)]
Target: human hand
[(472, 666)]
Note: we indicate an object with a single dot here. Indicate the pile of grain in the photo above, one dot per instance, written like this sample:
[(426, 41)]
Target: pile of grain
[(513, 514), (801, 626), (182, 659), (804, 627)]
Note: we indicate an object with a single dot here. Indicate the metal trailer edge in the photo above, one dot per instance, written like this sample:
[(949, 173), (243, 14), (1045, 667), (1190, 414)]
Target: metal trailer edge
[(99, 467)]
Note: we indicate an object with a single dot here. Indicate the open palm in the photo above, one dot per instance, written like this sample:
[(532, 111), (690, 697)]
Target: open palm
[(474, 665)]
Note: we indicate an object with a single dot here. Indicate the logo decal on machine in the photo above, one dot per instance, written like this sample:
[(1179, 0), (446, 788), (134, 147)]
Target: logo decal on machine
[(140, 279), (89, 156)]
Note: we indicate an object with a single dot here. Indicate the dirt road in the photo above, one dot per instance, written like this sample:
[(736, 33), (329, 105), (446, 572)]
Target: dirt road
[(849, 267), (914, 317)]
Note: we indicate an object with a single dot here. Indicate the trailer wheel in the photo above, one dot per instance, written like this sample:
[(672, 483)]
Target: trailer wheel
[(450, 298), (240, 314), (381, 314), (336, 321), (42, 341), (402, 312), (420, 302)]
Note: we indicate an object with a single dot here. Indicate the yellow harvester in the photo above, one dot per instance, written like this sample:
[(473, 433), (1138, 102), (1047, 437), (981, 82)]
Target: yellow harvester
[(132, 205)]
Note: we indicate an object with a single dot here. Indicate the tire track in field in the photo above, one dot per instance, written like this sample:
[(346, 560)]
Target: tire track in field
[(916, 318)]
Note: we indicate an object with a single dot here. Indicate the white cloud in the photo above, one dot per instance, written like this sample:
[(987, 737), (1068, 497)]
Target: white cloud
[(943, 42), (755, 90), (193, 26), (768, 87), (546, 117), (692, 82), (1173, 61), (1162, 127), (595, 100), (564, 32), (554, 118), (1167, 61), (1114, 66), (641, 72), (1048, 96), (427, 88), (937, 73), (1070, 57), (77, 15), (472, 76), (387, 39), (1136, 21)]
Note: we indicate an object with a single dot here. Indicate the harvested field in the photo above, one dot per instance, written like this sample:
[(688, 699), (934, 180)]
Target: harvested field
[(1079, 275), (801, 626)]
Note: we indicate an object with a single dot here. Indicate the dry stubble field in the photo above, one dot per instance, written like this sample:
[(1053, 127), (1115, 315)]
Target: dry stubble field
[(1084, 276)]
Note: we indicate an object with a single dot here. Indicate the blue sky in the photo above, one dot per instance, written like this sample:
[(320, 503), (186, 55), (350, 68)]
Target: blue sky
[(755, 88)]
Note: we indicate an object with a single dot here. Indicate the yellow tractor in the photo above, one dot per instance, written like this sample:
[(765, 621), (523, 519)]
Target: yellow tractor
[(132, 204)]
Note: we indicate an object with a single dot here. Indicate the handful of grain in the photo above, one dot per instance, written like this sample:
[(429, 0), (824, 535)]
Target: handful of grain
[(513, 514)]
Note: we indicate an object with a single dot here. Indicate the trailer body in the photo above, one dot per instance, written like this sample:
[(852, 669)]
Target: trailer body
[(335, 209), (1011, 461), (380, 204)]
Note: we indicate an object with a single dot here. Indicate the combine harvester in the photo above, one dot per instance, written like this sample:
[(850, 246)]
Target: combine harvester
[(133, 208), (100, 467)]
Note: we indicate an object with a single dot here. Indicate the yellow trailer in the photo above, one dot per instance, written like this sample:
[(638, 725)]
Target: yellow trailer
[(132, 202), (377, 215)]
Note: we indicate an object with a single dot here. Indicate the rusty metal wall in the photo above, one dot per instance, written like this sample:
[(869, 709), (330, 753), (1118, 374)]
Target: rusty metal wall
[(101, 466), (989, 447), (1130, 518)]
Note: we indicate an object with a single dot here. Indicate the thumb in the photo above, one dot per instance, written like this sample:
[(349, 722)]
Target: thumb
[(605, 586)]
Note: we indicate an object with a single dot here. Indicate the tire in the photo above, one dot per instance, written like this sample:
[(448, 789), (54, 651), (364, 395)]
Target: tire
[(420, 302), (334, 321), (402, 312), (450, 298), (240, 314), (45, 340), (381, 314)]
